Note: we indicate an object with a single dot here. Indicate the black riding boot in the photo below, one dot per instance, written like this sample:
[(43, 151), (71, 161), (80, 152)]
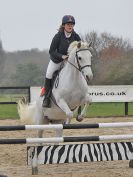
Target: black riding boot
[(46, 101)]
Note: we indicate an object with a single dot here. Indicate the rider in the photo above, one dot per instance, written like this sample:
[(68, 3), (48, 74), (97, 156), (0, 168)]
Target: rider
[(58, 52)]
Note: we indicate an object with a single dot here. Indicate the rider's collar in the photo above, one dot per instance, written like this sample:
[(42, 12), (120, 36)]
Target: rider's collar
[(67, 34)]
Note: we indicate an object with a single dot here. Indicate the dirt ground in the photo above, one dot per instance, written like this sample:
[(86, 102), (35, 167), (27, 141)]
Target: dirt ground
[(13, 157)]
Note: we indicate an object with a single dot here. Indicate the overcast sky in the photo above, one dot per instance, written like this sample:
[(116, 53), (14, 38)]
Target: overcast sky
[(26, 24)]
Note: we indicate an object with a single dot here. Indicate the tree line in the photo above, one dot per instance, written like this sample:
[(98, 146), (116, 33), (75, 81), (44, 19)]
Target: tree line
[(112, 62)]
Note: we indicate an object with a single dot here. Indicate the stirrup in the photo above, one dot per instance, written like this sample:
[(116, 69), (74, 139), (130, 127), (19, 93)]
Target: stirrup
[(46, 103)]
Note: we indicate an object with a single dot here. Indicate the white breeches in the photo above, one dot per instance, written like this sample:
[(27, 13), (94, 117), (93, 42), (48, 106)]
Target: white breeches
[(52, 67)]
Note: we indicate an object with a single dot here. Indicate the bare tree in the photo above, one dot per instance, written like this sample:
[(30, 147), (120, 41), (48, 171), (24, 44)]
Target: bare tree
[(113, 54)]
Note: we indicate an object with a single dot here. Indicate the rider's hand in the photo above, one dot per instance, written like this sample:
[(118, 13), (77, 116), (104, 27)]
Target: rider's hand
[(64, 57)]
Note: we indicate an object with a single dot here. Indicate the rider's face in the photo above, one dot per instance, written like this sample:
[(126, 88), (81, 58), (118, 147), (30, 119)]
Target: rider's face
[(69, 27)]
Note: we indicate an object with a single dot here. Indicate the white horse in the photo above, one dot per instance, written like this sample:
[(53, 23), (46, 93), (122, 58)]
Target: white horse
[(70, 90)]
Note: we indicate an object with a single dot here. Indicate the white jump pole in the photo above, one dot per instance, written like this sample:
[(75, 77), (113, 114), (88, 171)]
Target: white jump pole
[(66, 139), (66, 126)]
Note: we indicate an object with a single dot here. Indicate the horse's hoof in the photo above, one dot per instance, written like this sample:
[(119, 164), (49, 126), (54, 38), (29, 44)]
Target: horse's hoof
[(79, 118), (67, 121)]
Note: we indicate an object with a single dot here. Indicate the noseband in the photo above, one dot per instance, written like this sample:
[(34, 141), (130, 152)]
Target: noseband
[(79, 68)]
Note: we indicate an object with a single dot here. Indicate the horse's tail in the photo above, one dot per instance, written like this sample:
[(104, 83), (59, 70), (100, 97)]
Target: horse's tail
[(29, 112)]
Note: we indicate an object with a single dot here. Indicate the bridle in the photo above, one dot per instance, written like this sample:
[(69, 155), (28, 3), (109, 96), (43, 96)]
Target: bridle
[(79, 68)]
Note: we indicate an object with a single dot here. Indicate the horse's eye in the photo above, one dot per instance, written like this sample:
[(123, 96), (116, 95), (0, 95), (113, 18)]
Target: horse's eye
[(79, 58)]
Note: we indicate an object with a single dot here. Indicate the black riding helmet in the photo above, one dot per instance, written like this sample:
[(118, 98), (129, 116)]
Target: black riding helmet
[(68, 19)]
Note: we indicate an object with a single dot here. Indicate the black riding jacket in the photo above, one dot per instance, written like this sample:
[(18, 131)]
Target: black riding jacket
[(60, 44)]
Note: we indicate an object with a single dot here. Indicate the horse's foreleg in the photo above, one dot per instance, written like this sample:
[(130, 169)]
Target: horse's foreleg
[(82, 113), (87, 99), (63, 105), (67, 121)]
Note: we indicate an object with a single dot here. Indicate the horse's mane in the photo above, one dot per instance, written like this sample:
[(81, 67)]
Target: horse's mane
[(74, 44)]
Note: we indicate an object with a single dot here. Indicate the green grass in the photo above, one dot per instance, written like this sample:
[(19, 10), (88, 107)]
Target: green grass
[(11, 97), (94, 110), (130, 108), (8, 111), (108, 109)]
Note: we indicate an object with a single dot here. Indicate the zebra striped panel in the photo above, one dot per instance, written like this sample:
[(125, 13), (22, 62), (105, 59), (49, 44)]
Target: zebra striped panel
[(75, 153)]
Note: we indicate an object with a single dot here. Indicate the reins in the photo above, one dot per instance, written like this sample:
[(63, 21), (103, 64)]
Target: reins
[(79, 68)]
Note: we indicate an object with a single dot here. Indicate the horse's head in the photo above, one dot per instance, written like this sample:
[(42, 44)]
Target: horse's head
[(80, 57)]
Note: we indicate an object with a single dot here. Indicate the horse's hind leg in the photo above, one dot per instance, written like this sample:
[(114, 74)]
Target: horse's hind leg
[(59, 133), (40, 133), (43, 121)]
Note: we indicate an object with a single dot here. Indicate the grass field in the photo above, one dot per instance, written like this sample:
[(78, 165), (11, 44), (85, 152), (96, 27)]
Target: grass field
[(94, 110), (109, 109), (8, 111), (11, 97)]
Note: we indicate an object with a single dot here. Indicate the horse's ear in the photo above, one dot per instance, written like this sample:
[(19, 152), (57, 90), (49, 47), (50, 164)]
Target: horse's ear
[(90, 44), (79, 44)]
